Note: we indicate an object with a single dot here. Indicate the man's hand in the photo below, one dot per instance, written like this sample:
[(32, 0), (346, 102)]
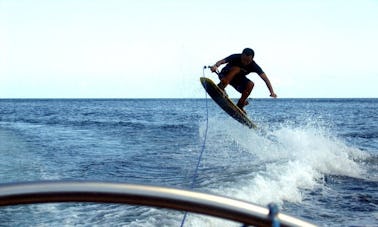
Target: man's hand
[(214, 69), (273, 95)]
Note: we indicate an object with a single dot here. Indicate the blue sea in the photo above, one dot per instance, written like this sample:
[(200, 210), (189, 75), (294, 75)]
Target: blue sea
[(316, 158)]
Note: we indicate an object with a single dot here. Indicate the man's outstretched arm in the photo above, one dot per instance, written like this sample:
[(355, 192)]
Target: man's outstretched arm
[(268, 84)]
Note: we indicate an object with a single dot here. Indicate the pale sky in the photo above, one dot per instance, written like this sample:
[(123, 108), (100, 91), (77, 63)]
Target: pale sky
[(157, 49)]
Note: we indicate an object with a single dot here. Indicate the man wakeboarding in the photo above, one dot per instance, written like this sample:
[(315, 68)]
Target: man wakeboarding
[(236, 71)]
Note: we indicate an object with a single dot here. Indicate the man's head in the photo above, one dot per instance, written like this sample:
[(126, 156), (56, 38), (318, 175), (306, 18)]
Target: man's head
[(247, 56)]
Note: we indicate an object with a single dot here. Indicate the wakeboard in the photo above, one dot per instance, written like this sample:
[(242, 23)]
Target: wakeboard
[(225, 103)]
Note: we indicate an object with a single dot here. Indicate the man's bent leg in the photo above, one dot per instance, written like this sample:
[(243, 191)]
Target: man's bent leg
[(245, 94), (228, 77)]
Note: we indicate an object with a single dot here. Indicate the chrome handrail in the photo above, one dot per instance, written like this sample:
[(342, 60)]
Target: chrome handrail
[(163, 197)]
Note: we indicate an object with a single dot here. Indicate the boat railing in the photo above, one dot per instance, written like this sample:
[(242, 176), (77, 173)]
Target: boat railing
[(156, 196)]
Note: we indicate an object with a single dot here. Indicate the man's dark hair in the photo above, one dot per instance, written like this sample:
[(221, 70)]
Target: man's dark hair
[(248, 52)]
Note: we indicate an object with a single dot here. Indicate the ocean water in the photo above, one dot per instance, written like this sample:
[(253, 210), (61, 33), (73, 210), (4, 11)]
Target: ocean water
[(316, 158)]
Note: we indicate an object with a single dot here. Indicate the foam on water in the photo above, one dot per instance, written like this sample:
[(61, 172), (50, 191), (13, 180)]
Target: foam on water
[(289, 159), (286, 162)]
